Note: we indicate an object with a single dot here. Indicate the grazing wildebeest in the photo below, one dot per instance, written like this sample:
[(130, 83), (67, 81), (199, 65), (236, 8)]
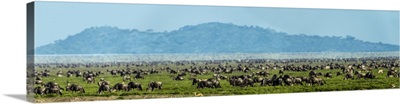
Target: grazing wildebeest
[(138, 75), (69, 74), (52, 87), (369, 75), (90, 80), (78, 74), (287, 80), (104, 86), (38, 82), (195, 81), (312, 74), (127, 78), (297, 80), (39, 90), (74, 88), (328, 75), (178, 78), (215, 83), (258, 79), (46, 74), (205, 84), (348, 75), (120, 86), (360, 75), (133, 85), (339, 73), (316, 80), (392, 73), (113, 72), (281, 72), (265, 82), (152, 85)]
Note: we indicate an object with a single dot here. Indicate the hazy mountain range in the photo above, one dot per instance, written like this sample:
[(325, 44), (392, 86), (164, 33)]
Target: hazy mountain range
[(210, 37)]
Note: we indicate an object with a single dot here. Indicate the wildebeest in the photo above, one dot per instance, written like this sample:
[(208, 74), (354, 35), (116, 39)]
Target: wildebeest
[(265, 82), (52, 87), (195, 81), (126, 78), (209, 83), (75, 88), (392, 73), (138, 75), (312, 73), (133, 85), (316, 81), (90, 80), (339, 73), (348, 75), (369, 75), (39, 90), (178, 78), (281, 72), (154, 84), (103, 86), (38, 82), (120, 87), (328, 75)]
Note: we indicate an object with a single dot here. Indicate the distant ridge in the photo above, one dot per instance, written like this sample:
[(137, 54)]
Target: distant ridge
[(212, 37)]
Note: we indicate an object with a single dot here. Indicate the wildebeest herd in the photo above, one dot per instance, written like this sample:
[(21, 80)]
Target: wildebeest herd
[(120, 77)]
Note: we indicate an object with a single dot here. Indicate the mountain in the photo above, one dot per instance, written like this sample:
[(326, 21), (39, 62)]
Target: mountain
[(213, 37)]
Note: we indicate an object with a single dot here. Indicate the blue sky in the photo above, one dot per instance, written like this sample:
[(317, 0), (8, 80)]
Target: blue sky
[(57, 20)]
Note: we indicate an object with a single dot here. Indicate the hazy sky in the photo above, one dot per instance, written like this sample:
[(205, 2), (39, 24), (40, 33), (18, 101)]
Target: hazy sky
[(57, 20)]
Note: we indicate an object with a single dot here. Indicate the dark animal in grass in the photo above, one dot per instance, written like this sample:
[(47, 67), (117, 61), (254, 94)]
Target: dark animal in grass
[(360, 75), (75, 88), (153, 85), (369, 75), (312, 73), (38, 82), (348, 76), (195, 81), (182, 74), (69, 74), (258, 79), (320, 74), (179, 78), (287, 80), (392, 73), (138, 75), (133, 85), (339, 73), (237, 82), (297, 81), (39, 90), (120, 87), (126, 78), (281, 72), (328, 75), (53, 89), (204, 84), (113, 72), (46, 74), (265, 82), (104, 86), (78, 74), (277, 80), (90, 80), (316, 81), (215, 83)]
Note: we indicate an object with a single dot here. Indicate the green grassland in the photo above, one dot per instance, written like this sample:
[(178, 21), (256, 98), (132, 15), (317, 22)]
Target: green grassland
[(184, 88)]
